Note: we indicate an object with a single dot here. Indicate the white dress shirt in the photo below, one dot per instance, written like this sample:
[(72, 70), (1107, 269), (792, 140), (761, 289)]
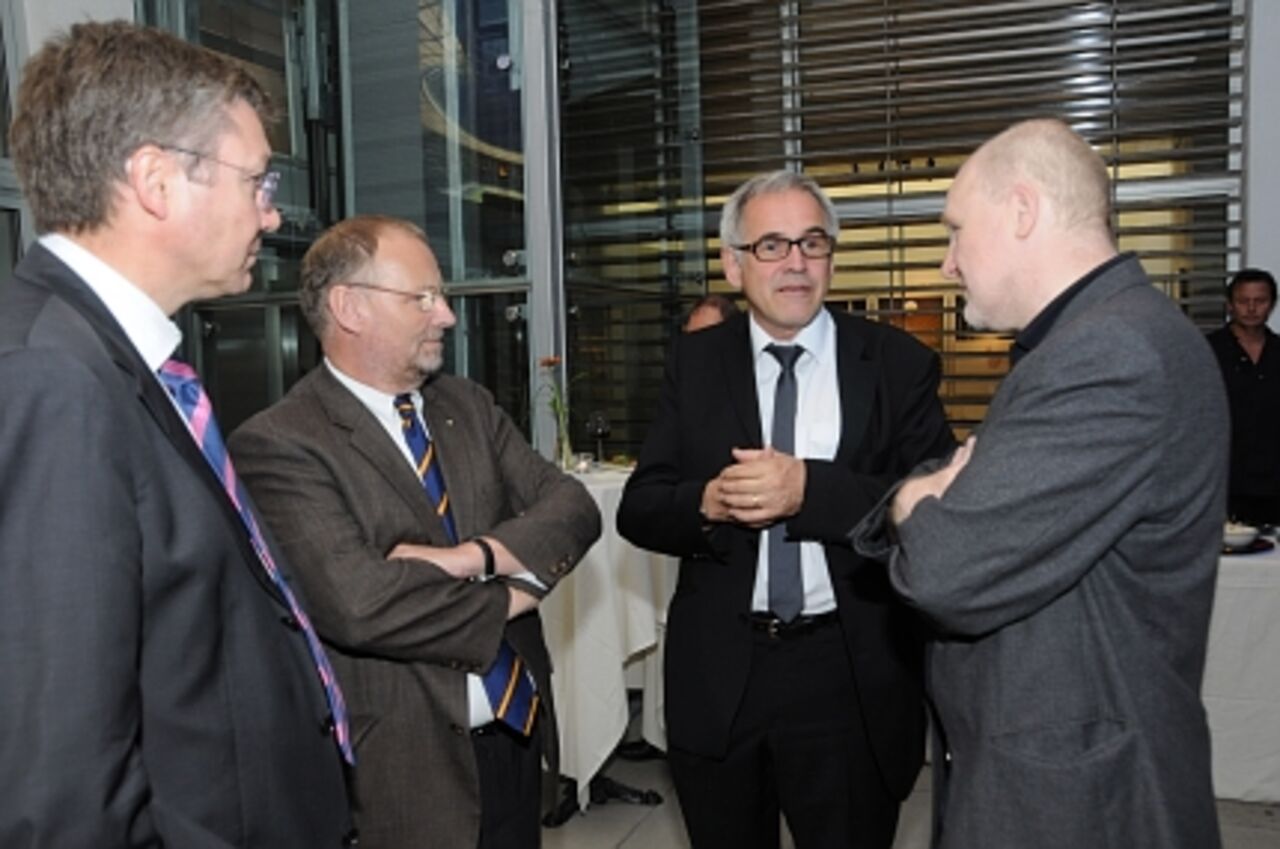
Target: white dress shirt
[(817, 437), (153, 335), (149, 330)]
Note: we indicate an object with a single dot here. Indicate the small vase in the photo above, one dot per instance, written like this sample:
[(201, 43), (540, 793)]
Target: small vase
[(564, 449)]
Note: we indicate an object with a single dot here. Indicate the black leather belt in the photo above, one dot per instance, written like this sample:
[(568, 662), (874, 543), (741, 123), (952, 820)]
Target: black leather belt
[(776, 629)]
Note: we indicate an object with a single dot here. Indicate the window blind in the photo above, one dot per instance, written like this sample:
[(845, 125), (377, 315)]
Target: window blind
[(670, 106)]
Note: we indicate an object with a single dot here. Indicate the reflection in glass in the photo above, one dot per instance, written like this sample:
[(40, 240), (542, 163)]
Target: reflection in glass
[(250, 355), (598, 429), (252, 32), (436, 128), (490, 345)]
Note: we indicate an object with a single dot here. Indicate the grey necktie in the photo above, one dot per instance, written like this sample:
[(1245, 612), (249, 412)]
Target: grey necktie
[(786, 590)]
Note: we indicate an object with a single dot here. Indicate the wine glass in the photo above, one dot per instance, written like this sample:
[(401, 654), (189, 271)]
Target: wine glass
[(598, 429)]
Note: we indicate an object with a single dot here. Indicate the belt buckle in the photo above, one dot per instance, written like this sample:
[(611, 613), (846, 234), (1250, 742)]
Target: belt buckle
[(775, 626)]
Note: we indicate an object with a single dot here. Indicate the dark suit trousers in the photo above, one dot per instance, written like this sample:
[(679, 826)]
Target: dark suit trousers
[(797, 746), (510, 768)]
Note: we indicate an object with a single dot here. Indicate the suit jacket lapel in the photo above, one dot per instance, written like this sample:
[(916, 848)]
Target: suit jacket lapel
[(370, 440), (857, 388), (739, 374)]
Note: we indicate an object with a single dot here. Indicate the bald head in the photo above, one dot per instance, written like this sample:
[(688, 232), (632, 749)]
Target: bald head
[(1062, 166), (1028, 215)]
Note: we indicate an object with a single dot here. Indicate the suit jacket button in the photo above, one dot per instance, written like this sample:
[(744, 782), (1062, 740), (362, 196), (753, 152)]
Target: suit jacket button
[(458, 729), (351, 838), (291, 622), (327, 725)]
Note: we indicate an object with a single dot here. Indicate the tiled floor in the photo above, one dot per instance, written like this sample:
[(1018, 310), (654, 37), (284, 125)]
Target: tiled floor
[(1244, 826)]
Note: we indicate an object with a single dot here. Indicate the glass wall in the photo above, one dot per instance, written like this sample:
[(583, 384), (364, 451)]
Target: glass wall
[(10, 203), (413, 108), (436, 136), (250, 348)]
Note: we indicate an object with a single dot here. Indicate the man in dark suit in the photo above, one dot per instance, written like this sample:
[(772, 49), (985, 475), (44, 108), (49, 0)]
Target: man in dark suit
[(418, 581), (1067, 555), (792, 680), (159, 684)]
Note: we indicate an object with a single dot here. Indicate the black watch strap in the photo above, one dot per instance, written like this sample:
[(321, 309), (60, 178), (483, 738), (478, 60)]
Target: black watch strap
[(490, 568)]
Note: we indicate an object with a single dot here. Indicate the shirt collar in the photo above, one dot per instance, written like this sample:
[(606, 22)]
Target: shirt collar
[(1033, 334), (812, 337), (379, 403), (150, 331)]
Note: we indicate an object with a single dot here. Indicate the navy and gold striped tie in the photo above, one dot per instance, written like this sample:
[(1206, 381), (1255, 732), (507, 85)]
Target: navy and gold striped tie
[(424, 458), (508, 684)]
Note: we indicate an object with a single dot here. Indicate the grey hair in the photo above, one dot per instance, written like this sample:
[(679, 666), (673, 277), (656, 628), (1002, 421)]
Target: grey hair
[(772, 183)]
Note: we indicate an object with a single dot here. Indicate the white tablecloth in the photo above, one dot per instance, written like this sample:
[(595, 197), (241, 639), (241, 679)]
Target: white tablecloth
[(1242, 678), (606, 613)]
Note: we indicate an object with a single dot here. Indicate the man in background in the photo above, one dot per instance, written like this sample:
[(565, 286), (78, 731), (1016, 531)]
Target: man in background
[(161, 684), (1066, 557), (426, 530), (1248, 353), (792, 677), (709, 310)]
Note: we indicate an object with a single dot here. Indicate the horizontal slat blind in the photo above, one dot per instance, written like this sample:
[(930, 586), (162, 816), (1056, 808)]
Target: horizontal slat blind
[(634, 251), (880, 102)]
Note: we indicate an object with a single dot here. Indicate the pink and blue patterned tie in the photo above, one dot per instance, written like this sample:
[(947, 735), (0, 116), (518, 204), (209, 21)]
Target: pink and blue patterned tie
[(183, 384), (509, 685)]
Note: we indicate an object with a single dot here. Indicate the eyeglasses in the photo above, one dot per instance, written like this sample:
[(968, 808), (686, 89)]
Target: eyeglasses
[(265, 183), (427, 298), (772, 247)]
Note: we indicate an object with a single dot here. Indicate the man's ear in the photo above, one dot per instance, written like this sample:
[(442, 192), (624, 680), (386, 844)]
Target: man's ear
[(1026, 209), (729, 258), (346, 308), (149, 177)]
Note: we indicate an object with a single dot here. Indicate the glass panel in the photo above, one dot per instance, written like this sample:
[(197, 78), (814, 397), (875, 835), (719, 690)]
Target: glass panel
[(253, 33), (249, 355), (284, 45), (10, 240), (234, 351), (635, 256), (436, 127), (491, 346)]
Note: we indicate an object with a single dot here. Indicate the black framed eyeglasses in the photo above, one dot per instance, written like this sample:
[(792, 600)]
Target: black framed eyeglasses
[(265, 183), (773, 247), (427, 298)]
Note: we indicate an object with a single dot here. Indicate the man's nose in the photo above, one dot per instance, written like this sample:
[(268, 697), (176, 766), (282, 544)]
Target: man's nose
[(949, 270), (269, 219), (444, 314), (795, 259)]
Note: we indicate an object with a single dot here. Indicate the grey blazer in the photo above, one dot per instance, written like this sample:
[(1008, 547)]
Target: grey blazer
[(403, 633), (1069, 571), (150, 691)]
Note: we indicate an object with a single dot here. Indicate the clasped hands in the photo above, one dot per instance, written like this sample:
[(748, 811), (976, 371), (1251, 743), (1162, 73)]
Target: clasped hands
[(761, 487)]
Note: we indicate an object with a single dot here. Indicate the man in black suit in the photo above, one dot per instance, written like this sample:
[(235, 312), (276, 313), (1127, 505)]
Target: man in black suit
[(792, 679), (158, 681)]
